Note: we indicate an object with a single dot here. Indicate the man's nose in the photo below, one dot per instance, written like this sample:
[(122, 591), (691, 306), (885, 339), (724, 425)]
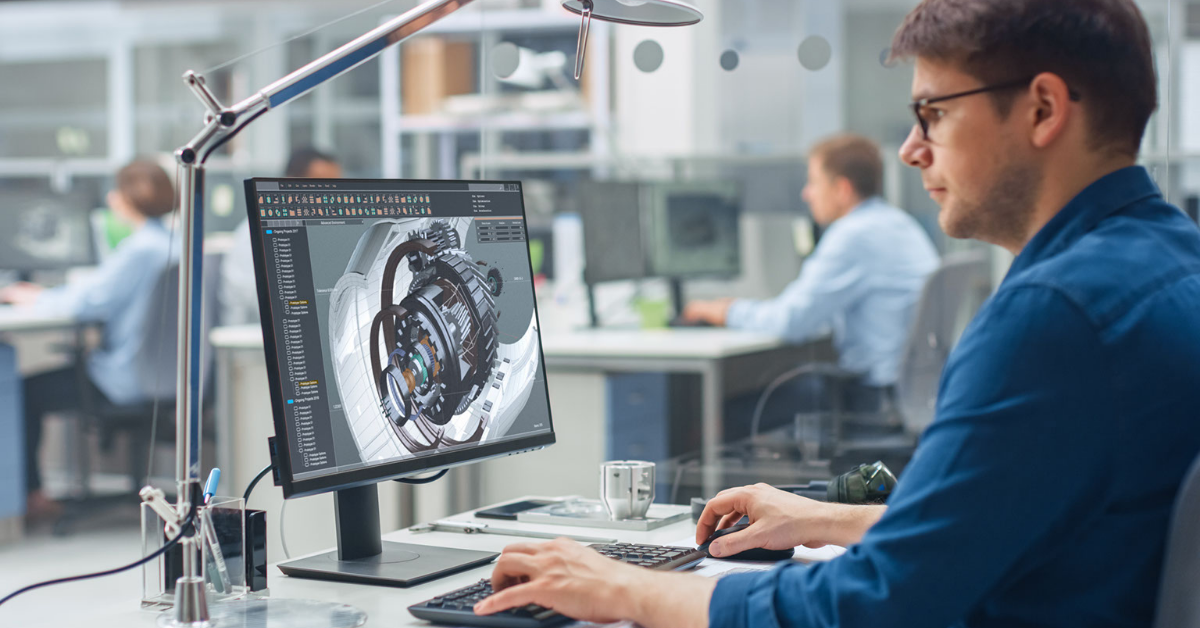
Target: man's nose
[(915, 150)]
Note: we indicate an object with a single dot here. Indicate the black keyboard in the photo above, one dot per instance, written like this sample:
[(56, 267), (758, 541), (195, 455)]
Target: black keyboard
[(456, 606)]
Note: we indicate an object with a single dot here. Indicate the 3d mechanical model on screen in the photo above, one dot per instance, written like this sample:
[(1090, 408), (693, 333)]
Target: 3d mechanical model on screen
[(413, 329)]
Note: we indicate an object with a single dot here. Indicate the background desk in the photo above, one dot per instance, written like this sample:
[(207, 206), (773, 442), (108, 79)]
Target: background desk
[(578, 366), (384, 606)]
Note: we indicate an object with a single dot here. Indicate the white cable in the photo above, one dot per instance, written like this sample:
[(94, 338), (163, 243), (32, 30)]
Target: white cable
[(282, 538), (762, 399)]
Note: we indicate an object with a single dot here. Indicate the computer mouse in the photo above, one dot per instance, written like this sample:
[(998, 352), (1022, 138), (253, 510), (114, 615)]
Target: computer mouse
[(757, 553)]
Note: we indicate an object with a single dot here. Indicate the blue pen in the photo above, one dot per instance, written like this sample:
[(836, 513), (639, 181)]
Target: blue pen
[(210, 487)]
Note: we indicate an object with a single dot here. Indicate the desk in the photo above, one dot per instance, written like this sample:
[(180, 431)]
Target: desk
[(728, 362), (18, 319), (384, 606)]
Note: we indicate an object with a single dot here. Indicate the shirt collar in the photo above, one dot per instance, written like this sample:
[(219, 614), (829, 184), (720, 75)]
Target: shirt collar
[(1104, 197)]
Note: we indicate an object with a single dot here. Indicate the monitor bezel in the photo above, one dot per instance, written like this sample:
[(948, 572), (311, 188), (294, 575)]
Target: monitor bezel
[(384, 472)]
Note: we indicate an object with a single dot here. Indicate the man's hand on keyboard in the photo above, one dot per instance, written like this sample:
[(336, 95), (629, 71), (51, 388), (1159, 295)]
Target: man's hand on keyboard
[(581, 583)]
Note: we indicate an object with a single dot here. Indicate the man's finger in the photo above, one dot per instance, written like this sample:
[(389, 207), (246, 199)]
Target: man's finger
[(524, 548), (731, 544), (730, 519), (512, 597), (716, 509), (511, 568)]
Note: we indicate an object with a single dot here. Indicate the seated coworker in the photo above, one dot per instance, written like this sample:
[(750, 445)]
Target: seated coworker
[(118, 295), (863, 279), (1041, 493), (239, 292)]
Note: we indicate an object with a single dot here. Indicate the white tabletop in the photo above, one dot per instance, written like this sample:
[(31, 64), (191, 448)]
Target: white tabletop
[(387, 606), (689, 343), (13, 318)]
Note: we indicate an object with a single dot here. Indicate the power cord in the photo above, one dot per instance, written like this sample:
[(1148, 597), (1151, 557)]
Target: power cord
[(426, 480), (254, 482), (186, 528)]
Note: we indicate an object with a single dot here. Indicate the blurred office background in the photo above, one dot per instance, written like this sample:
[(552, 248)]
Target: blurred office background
[(487, 93)]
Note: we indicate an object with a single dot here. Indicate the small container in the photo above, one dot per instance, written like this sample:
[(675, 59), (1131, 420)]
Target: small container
[(222, 541)]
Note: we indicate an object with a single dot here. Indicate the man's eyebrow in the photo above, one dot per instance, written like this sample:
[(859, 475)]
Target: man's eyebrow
[(921, 94)]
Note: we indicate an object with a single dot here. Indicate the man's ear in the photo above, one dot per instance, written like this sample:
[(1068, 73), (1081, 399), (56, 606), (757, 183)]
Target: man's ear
[(1051, 109)]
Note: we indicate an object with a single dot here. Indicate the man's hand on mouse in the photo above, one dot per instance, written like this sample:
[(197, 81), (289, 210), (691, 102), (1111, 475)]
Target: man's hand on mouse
[(581, 583), (778, 520)]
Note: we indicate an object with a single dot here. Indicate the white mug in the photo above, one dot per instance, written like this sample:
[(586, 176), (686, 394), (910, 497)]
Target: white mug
[(627, 488)]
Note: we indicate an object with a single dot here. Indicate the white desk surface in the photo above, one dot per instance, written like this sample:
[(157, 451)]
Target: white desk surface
[(13, 318), (689, 343), (387, 606)]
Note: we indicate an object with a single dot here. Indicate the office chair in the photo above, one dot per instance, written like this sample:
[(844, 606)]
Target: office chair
[(155, 367), (1178, 604), (951, 297)]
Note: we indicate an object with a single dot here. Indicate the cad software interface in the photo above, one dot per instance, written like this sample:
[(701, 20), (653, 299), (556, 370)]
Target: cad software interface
[(403, 315)]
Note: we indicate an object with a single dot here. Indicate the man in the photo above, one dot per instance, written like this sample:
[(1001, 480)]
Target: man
[(238, 290), (862, 280), (1040, 495), (117, 295)]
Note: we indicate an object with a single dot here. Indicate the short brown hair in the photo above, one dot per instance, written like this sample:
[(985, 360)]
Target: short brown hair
[(854, 157), (1100, 48), (147, 187)]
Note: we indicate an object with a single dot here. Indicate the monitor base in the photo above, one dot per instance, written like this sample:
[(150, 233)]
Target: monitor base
[(398, 565)]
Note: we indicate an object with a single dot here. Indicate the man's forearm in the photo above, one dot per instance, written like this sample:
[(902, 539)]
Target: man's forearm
[(846, 525), (670, 600)]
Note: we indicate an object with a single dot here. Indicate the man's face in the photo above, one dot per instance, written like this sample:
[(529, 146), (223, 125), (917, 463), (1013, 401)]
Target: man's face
[(821, 193), (977, 166), (323, 170)]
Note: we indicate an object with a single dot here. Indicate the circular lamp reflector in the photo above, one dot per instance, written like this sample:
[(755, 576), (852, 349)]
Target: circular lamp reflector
[(638, 12)]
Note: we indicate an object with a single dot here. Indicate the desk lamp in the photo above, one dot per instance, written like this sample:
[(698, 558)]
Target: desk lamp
[(221, 124)]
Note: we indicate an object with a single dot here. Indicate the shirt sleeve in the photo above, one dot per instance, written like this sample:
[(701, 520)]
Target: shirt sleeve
[(1024, 405), (830, 279), (102, 294)]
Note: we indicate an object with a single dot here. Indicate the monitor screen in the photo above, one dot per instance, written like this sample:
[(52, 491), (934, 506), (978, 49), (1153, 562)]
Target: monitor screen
[(694, 230), (46, 232), (400, 326)]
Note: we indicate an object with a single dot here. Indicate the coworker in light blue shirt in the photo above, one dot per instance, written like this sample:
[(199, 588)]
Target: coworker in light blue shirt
[(863, 279), (117, 295)]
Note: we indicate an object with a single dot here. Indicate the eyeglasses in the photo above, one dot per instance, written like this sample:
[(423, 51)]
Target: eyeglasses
[(923, 117)]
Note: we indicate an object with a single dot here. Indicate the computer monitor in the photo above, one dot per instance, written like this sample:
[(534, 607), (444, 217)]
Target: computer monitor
[(45, 232), (692, 230), (677, 231), (401, 335)]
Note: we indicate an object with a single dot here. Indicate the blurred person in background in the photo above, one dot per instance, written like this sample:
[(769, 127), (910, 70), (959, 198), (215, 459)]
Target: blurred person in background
[(861, 283), (238, 291), (117, 295)]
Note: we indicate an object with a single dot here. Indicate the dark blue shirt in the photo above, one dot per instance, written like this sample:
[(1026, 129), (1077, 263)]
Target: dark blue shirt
[(1067, 416)]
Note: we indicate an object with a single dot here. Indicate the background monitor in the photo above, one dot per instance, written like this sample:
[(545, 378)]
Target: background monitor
[(692, 230), (676, 231), (45, 232), (402, 336)]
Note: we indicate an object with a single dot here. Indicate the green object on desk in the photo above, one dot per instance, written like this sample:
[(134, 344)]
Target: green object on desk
[(654, 313), (115, 229)]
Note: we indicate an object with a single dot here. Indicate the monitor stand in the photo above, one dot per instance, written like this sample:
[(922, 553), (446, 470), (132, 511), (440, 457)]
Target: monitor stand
[(363, 557)]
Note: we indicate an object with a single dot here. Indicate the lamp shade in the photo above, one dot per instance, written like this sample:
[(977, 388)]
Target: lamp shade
[(638, 12)]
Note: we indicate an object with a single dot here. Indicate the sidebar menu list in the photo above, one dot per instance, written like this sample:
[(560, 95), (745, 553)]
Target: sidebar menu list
[(298, 349)]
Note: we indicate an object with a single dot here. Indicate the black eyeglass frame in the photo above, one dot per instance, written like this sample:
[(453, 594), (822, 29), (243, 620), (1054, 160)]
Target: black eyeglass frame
[(916, 105)]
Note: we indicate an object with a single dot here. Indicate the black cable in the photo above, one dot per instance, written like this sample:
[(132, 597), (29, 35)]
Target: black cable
[(184, 529), (432, 478), (253, 483)]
